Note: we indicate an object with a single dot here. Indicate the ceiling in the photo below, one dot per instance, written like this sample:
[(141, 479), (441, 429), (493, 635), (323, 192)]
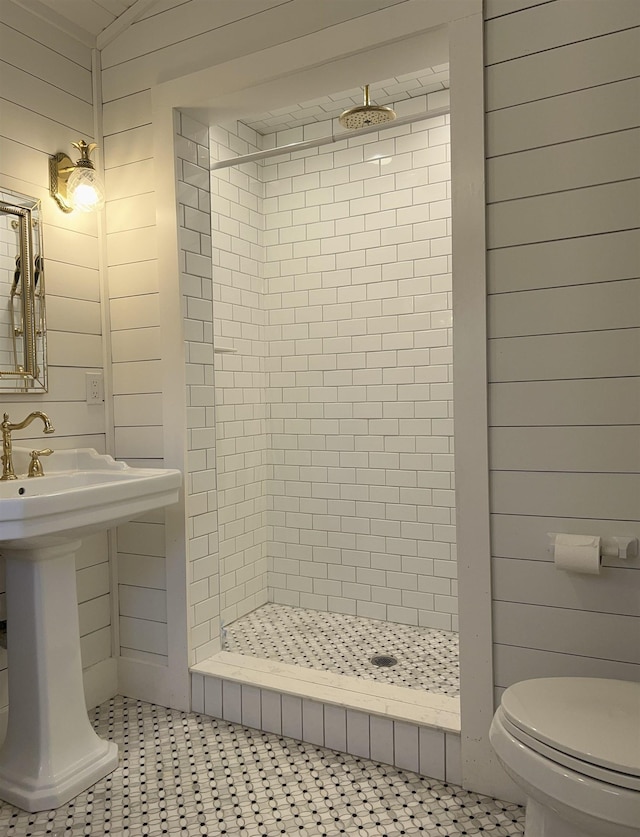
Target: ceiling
[(97, 22), (87, 19), (389, 91), (92, 15)]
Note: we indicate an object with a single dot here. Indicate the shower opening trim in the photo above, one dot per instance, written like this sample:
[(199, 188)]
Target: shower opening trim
[(315, 143)]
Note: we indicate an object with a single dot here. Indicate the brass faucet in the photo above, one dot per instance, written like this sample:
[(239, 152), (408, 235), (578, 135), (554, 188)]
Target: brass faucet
[(7, 449)]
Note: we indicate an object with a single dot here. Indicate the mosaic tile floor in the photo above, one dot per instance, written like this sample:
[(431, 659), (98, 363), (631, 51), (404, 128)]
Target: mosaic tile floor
[(427, 658), (184, 775)]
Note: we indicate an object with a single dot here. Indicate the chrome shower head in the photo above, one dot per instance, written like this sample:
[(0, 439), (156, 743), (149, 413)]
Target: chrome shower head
[(366, 114)]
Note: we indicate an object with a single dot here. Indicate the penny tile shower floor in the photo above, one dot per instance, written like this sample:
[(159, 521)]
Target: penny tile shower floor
[(185, 775), (427, 658)]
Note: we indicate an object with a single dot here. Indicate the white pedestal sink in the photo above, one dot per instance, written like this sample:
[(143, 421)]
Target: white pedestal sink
[(51, 752)]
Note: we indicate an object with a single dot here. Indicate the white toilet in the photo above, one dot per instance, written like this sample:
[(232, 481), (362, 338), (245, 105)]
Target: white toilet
[(573, 745)]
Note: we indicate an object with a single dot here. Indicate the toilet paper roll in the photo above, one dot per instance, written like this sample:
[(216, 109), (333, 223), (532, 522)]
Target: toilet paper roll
[(577, 553)]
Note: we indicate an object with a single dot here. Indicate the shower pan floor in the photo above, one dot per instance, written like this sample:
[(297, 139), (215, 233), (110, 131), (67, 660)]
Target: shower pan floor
[(427, 659)]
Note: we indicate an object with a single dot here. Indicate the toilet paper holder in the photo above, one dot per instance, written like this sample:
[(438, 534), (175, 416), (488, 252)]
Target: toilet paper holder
[(620, 547)]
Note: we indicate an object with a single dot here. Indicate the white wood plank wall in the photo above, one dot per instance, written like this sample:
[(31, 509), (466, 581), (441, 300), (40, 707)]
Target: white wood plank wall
[(169, 42), (132, 278), (45, 104), (563, 217)]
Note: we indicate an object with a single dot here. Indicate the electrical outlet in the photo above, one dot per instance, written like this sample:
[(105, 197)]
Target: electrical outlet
[(95, 387)]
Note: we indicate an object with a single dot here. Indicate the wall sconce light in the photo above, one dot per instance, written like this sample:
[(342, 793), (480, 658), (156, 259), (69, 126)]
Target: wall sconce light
[(76, 185)]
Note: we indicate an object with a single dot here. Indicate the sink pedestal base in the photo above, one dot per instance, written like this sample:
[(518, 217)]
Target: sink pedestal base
[(51, 752)]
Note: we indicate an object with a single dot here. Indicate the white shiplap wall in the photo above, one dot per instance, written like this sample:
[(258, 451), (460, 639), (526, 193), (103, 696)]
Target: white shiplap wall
[(563, 218), (136, 367), (45, 104), (179, 38)]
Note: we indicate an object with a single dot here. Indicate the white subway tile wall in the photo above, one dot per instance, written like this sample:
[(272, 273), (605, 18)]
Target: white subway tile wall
[(192, 149), (357, 290), (241, 408)]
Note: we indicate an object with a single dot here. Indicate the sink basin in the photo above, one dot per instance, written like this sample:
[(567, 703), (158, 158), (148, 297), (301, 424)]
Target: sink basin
[(51, 753), (81, 493)]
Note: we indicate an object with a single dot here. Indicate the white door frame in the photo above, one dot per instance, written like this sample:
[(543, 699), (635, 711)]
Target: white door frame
[(417, 31)]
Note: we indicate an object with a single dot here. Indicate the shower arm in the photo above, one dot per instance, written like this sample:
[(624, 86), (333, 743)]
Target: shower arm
[(315, 143)]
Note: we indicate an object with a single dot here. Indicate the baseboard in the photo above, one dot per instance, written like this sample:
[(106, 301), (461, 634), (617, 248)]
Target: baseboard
[(100, 682), (143, 680)]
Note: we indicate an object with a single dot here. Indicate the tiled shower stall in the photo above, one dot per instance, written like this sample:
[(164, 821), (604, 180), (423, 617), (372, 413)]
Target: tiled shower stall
[(322, 458)]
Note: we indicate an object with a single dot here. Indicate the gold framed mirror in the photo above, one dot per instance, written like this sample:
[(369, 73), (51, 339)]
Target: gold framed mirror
[(23, 366)]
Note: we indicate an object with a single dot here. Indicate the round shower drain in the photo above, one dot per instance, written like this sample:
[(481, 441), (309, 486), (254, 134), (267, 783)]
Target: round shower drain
[(383, 661)]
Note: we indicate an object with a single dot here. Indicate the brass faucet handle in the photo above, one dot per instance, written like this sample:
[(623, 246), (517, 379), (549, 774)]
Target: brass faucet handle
[(35, 466)]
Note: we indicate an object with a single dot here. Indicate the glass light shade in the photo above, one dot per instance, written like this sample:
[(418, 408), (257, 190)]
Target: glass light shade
[(85, 191)]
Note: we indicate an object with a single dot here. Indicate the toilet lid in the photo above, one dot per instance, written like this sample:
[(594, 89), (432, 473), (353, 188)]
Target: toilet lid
[(595, 720)]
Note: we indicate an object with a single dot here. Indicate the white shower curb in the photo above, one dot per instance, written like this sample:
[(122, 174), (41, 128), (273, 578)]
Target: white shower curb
[(408, 728)]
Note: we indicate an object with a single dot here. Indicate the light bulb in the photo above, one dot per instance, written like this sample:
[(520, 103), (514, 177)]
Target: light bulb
[(84, 190)]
